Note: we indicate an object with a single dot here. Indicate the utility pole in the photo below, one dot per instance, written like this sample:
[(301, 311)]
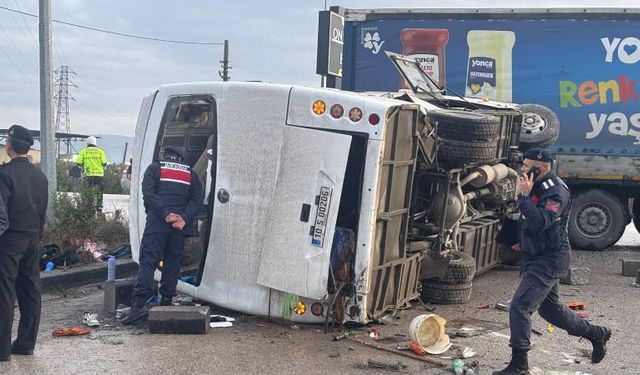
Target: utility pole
[(124, 157), (62, 96), (47, 135), (224, 73)]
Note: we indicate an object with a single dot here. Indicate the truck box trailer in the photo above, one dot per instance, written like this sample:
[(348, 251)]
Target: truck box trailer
[(574, 71)]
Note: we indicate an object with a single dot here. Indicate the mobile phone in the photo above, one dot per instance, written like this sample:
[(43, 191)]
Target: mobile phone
[(533, 172)]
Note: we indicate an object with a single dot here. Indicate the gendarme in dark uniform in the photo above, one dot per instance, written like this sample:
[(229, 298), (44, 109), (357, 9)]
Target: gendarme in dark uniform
[(173, 197), (544, 202), (23, 188)]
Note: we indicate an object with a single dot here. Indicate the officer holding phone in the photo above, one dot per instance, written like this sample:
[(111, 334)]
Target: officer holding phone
[(544, 202)]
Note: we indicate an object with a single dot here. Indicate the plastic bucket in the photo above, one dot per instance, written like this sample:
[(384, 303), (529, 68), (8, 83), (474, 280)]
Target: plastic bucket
[(428, 331)]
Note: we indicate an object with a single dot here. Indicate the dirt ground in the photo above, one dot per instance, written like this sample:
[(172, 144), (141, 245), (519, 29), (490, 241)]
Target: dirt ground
[(255, 346)]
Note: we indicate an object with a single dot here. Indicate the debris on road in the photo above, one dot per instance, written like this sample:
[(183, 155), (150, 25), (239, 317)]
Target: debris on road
[(485, 306), (71, 331), (221, 318), (550, 328), (536, 331), (630, 267), (90, 320), (503, 306), (465, 352), (576, 305), (374, 364), (374, 333), (470, 327), (428, 331), (426, 358), (220, 324), (577, 276)]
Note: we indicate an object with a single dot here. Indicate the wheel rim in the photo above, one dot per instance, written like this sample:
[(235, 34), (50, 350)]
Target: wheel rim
[(532, 123), (593, 220)]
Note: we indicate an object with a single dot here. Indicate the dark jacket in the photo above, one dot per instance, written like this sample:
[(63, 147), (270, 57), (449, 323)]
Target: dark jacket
[(543, 235), (171, 187), (24, 192)]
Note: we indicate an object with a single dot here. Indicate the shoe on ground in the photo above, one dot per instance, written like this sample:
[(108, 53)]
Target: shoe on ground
[(90, 320), (137, 313), (519, 364), (598, 336), (20, 351)]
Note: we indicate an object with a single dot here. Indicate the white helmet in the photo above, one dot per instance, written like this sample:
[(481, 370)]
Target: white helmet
[(92, 141)]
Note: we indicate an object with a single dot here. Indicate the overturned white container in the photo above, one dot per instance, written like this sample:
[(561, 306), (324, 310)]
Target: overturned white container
[(428, 331)]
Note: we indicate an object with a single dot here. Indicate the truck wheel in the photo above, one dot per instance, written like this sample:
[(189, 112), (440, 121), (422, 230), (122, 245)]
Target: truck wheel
[(540, 126), (597, 220), (465, 126), (457, 153), (461, 269), (445, 294)]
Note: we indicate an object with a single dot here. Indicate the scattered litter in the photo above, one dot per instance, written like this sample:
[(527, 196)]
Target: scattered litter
[(395, 338), (474, 327), (260, 325), (567, 294), (71, 331), (334, 355), (386, 320), (120, 313), (503, 306), (373, 333), (352, 348), (586, 353), (430, 308), (498, 334), (550, 328), (370, 363), (536, 331), (49, 267), (457, 365), (416, 348), (583, 314), (466, 332), (575, 305), (220, 324), (341, 336), (485, 306), (315, 330), (90, 320), (465, 352), (569, 358), (221, 318)]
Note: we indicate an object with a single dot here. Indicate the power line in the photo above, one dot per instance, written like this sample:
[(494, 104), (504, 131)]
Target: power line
[(119, 33)]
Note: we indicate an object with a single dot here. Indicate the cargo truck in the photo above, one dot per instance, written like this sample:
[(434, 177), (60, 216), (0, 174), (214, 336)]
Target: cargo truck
[(574, 71)]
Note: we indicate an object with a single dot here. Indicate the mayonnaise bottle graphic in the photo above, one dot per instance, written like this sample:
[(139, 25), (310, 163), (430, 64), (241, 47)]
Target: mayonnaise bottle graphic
[(489, 68)]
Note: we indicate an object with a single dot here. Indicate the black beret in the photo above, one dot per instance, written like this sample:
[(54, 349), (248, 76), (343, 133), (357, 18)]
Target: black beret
[(21, 134), (538, 154), (173, 150)]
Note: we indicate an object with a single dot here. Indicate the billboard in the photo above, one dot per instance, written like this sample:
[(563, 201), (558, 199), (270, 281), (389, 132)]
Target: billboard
[(585, 70)]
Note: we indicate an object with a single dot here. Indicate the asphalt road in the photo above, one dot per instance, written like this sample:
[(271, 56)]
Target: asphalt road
[(255, 346)]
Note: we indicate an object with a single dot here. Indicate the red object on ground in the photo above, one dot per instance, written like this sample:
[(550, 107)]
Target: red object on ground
[(576, 305), (416, 348), (485, 306), (373, 333), (71, 331)]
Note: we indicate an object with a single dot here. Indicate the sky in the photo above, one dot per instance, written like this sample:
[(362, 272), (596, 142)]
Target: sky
[(270, 40)]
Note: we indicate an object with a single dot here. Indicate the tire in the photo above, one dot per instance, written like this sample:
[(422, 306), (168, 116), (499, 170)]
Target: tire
[(540, 126), (457, 153), (445, 294), (462, 125), (597, 220), (462, 268)]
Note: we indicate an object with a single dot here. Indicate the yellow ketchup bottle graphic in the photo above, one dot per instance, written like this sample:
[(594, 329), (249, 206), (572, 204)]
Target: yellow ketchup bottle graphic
[(489, 68)]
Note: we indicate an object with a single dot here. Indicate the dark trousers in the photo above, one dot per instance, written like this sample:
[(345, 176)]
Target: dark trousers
[(154, 247), (538, 292), (19, 276), (97, 183)]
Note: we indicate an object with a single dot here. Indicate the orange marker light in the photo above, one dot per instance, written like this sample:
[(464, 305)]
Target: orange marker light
[(319, 107)]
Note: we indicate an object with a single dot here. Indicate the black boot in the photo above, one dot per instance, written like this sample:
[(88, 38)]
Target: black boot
[(166, 301), (598, 336), (138, 311), (519, 364)]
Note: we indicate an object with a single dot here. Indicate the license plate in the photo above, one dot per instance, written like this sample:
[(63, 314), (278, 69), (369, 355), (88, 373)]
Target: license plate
[(322, 215)]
